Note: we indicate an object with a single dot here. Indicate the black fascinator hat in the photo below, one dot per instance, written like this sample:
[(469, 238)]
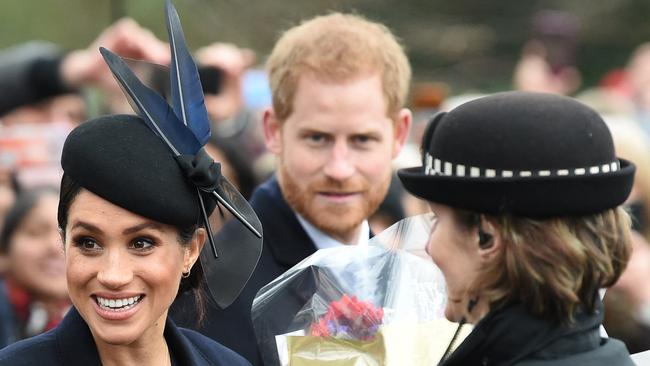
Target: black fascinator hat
[(527, 154), (154, 165)]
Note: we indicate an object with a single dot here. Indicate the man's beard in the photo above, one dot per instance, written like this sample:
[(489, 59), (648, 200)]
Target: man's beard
[(336, 220)]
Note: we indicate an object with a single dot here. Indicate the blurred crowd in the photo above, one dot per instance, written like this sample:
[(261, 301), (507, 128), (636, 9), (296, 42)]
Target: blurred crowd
[(46, 91)]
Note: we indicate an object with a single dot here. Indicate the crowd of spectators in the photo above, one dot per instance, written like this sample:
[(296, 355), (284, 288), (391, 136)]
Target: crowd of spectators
[(46, 91)]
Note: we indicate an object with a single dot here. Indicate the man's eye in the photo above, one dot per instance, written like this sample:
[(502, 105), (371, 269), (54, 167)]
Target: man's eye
[(142, 244), (361, 139), (316, 138), (364, 140)]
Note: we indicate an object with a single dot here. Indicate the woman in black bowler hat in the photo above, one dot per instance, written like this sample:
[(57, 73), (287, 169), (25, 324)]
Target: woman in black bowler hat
[(135, 199), (526, 190)]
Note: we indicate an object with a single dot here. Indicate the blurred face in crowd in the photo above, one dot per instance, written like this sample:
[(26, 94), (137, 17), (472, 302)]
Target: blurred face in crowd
[(335, 151), (35, 254), (455, 250), (67, 108), (123, 270)]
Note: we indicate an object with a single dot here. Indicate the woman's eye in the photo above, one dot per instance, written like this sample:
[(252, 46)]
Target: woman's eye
[(87, 244), (142, 244)]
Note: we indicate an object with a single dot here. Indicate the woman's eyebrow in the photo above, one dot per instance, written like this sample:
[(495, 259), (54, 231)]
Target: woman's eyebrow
[(87, 226), (144, 225), (130, 230)]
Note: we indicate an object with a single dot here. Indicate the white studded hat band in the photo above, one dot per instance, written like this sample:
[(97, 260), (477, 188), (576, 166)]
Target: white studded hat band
[(434, 166)]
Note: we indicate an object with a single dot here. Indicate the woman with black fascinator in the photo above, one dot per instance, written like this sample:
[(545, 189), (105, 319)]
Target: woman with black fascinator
[(526, 191), (134, 205)]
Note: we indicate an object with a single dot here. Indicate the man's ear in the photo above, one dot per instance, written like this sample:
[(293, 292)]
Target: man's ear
[(402, 128), (490, 242), (272, 129)]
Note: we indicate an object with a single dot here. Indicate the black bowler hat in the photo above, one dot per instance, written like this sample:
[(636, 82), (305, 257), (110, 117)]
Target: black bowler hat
[(528, 154), (154, 165)]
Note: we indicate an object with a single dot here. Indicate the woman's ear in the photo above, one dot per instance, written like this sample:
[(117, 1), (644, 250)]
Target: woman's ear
[(193, 250), (490, 242)]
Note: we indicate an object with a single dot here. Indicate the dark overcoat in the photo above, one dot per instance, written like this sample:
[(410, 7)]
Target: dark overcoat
[(72, 344), (8, 319), (510, 336)]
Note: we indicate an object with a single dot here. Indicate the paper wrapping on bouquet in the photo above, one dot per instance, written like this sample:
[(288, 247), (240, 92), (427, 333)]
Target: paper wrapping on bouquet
[(330, 351), (381, 304), (396, 344)]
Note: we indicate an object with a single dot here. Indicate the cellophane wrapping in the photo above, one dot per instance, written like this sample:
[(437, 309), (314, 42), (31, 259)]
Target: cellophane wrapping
[(381, 304)]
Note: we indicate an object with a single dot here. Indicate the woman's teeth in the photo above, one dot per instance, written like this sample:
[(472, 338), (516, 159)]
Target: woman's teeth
[(119, 304)]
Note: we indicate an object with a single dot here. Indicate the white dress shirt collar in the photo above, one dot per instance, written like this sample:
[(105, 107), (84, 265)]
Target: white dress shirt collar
[(322, 240)]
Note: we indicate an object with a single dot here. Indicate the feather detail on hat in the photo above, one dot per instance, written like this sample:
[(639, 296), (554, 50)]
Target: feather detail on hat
[(187, 94), (152, 108), (185, 129)]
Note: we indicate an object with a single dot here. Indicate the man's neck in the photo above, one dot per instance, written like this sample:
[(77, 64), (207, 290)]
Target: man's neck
[(323, 239), (349, 238)]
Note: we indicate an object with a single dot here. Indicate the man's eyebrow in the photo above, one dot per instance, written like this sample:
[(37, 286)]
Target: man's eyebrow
[(312, 130)]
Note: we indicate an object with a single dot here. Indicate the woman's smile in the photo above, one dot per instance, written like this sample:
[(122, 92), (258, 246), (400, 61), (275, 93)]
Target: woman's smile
[(115, 307)]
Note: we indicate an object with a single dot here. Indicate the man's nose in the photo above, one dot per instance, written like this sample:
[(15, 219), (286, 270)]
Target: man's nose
[(340, 165)]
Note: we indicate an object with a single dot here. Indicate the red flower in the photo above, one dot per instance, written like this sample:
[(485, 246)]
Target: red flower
[(349, 318)]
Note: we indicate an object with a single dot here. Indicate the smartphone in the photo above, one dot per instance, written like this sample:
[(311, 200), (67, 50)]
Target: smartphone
[(211, 79), (557, 31)]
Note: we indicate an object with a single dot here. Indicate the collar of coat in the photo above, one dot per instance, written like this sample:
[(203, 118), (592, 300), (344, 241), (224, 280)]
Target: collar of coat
[(77, 346), (510, 334), (283, 235)]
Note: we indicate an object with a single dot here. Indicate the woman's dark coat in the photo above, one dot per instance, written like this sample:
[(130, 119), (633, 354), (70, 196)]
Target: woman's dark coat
[(511, 336), (72, 344)]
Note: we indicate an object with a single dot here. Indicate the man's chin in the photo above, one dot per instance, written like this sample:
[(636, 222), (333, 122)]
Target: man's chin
[(335, 222)]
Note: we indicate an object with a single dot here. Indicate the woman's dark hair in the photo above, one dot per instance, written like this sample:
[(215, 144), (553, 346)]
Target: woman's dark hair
[(69, 191), (25, 202)]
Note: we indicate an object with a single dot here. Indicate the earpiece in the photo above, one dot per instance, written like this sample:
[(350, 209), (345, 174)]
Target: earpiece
[(471, 304), (484, 239)]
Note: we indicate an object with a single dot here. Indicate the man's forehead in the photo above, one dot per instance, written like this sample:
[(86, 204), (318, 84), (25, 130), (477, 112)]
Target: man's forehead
[(359, 95), (350, 125)]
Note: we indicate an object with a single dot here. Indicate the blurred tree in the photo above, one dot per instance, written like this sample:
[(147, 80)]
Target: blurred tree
[(117, 9), (468, 44)]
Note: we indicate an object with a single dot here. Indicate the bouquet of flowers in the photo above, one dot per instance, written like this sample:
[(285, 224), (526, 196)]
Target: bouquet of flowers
[(381, 304), (349, 318)]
